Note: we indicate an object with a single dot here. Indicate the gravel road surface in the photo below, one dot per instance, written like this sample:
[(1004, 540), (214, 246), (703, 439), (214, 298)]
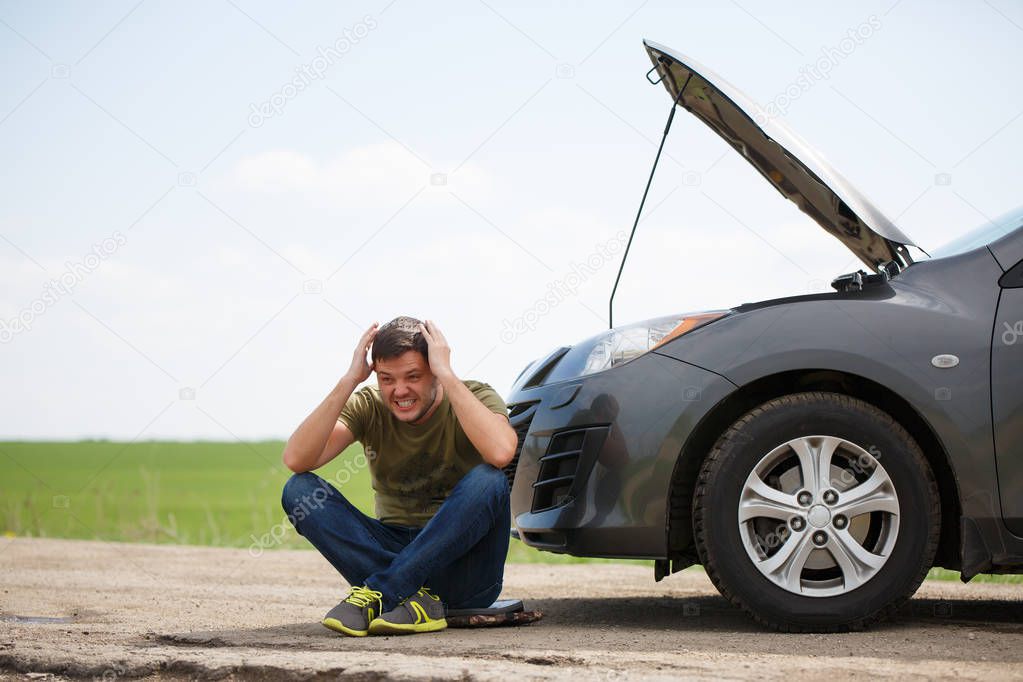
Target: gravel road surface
[(93, 609)]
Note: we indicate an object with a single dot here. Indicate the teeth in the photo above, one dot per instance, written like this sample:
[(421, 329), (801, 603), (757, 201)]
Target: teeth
[(405, 403)]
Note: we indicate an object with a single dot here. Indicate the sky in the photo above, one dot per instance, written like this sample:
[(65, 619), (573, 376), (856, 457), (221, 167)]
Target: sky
[(204, 204)]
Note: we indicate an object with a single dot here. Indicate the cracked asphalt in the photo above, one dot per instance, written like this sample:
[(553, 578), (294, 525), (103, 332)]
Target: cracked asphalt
[(72, 609)]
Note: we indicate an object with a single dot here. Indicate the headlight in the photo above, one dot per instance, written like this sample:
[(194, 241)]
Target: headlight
[(611, 348), (621, 344)]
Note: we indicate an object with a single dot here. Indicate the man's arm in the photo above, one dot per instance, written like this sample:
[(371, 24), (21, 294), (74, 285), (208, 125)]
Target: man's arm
[(488, 431), (321, 437)]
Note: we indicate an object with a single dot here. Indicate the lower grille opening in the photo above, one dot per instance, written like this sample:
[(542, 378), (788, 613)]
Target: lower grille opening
[(521, 416), (558, 468), (551, 539)]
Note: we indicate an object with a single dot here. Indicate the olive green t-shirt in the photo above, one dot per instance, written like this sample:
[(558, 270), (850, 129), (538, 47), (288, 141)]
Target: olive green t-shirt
[(414, 467)]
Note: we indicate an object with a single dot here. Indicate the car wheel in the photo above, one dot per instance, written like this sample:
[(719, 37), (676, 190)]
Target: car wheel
[(816, 512)]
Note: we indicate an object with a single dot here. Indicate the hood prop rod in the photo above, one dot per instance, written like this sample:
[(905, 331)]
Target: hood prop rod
[(667, 127)]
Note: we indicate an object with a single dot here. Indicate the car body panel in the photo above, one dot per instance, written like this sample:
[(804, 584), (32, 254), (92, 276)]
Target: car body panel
[(865, 334), (950, 306), (1007, 404), (789, 163), (620, 490)]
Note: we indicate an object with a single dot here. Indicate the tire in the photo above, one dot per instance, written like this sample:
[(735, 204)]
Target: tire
[(791, 563)]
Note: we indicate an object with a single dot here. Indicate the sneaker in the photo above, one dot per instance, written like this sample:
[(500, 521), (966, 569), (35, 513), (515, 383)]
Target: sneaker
[(353, 615), (422, 612)]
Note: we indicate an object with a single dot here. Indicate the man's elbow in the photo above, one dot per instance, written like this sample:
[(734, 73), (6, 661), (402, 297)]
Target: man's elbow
[(504, 456), (294, 461), (501, 459)]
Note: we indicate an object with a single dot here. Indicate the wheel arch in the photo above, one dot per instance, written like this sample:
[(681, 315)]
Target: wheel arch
[(680, 541)]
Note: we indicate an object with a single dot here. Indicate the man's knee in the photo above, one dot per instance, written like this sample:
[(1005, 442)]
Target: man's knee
[(304, 494), (490, 480)]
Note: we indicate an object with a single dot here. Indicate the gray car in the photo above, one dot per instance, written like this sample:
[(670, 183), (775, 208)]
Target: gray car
[(816, 454)]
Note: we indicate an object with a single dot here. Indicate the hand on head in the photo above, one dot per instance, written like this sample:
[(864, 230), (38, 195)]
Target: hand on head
[(439, 351), (361, 365)]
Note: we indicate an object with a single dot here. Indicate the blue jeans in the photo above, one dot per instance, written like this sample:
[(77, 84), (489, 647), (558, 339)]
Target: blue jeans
[(459, 554)]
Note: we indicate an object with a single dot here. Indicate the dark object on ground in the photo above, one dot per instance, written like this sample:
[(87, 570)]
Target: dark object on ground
[(501, 612)]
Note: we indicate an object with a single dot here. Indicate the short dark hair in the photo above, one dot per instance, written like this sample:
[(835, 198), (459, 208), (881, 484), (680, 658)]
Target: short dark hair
[(397, 337)]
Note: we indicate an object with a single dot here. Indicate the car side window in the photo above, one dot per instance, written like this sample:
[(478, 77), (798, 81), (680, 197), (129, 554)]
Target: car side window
[(1013, 277)]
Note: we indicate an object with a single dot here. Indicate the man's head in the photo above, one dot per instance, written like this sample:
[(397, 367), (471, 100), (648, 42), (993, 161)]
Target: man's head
[(397, 337), (400, 358)]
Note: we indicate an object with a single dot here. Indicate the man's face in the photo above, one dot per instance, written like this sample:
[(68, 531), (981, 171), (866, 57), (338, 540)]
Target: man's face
[(407, 385)]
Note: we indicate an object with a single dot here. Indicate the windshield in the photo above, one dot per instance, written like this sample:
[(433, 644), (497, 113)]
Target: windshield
[(988, 232)]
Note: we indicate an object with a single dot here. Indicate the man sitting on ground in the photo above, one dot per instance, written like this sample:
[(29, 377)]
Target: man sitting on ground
[(435, 446)]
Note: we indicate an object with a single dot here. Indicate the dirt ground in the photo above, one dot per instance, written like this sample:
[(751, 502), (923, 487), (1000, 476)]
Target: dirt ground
[(91, 609)]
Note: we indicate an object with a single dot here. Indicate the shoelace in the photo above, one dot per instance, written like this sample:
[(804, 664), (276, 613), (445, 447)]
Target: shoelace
[(424, 591), (363, 596)]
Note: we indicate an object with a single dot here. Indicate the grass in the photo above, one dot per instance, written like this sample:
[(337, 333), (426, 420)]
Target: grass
[(945, 574), (205, 493)]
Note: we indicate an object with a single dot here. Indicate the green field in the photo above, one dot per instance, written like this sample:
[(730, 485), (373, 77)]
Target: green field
[(205, 493)]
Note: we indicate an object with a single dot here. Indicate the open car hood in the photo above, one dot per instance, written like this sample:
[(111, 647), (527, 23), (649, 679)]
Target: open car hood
[(795, 168)]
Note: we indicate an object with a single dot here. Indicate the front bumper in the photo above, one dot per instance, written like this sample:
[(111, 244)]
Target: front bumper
[(596, 455)]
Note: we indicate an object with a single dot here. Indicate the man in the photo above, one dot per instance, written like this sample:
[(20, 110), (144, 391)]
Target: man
[(435, 446)]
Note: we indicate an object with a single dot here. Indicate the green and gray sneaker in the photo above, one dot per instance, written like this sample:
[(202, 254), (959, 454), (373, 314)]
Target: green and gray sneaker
[(422, 612), (353, 615)]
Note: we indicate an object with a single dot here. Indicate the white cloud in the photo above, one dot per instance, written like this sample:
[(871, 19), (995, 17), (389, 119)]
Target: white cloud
[(365, 175)]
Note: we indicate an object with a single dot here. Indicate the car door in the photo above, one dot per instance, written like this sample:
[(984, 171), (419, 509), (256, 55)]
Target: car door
[(1007, 395)]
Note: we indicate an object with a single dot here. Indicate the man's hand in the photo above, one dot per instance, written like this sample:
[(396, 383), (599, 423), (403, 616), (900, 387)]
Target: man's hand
[(361, 366), (321, 437), (440, 352), (489, 432)]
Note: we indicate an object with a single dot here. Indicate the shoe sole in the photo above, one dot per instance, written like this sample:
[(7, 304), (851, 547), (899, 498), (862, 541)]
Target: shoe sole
[(337, 626), (382, 627)]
